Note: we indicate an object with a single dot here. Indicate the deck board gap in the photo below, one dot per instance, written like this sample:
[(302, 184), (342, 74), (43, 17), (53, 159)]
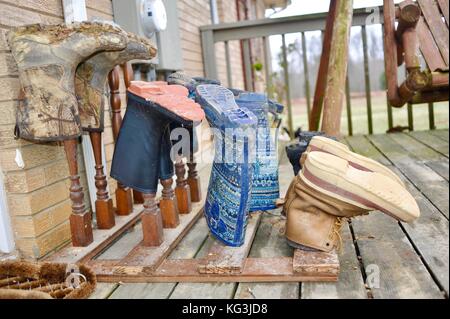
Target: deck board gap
[(426, 265)]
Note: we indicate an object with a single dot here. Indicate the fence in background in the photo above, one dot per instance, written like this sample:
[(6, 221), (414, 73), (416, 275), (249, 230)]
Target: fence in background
[(244, 31)]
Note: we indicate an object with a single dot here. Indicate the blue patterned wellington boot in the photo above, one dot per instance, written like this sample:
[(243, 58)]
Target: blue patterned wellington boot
[(229, 192), (265, 184)]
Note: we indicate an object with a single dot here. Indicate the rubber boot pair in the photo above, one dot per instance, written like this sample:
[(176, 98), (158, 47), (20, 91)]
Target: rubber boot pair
[(335, 183), (47, 58), (230, 187)]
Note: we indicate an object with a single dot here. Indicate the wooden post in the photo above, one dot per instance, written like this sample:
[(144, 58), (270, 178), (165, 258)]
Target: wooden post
[(123, 194), (306, 73), (431, 116), (194, 180), (389, 106), (410, 117), (152, 225), (168, 205), (80, 219), (103, 205), (349, 106), (367, 79), (182, 190), (322, 75), (335, 84), (128, 76), (228, 63), (287, 88), (267, 67)]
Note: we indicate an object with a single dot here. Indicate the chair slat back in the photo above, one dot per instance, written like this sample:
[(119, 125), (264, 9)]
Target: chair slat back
[(438, 28)]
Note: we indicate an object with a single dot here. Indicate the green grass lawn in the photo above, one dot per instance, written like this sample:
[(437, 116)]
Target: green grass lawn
[(380, 117)]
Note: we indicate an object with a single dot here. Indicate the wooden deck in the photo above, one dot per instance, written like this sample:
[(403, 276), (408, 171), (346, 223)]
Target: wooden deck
[(381, 258)]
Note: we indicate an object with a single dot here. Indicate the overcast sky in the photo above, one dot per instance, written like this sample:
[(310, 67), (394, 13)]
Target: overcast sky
[(301, 7)]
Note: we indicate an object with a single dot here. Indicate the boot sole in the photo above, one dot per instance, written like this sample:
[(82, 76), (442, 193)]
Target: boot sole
[(335, 177), (323, 144), (222, 102), (299, 246)]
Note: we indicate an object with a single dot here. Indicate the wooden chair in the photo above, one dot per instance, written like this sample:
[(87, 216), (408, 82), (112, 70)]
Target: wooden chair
[(422, 28)]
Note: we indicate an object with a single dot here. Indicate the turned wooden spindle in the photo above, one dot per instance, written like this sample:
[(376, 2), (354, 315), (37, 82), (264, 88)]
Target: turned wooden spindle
[(128, 76), (194, 180), (124, 197), (103, 205), (80, 219), (182, 190), (152, 225), (168, 205)]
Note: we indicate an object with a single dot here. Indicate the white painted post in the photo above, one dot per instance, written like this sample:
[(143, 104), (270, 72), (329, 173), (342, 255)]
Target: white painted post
[(74, 11), (6, 235)]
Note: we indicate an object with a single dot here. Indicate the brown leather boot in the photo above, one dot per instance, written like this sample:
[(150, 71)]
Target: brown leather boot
[(369, 190), (47, 57), (314, 220), (327, 145), (92, 75)]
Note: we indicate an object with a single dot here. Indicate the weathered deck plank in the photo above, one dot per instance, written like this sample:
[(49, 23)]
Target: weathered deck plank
[(396, 270), (103, 290), (440, 167), (443, 134), (269, 242), (204, 290), (411, 258), (408, 155), (188, 248), (432, 141), (350, 285), (222, 259), (429, 233)]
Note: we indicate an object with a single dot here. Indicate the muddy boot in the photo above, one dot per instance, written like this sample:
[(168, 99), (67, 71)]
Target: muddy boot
[(327, 145), (92, 75), (47, 57), (314, 220), (229, 192)]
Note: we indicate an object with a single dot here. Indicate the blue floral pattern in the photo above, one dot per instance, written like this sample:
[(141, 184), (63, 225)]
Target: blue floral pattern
[(229, 191), (265, 182)]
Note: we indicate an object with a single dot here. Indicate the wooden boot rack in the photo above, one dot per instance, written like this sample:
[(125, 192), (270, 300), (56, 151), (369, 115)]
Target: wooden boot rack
[(165, 226)]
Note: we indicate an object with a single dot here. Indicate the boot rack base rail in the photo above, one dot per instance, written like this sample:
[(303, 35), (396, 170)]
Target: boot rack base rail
[(221, 264)]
